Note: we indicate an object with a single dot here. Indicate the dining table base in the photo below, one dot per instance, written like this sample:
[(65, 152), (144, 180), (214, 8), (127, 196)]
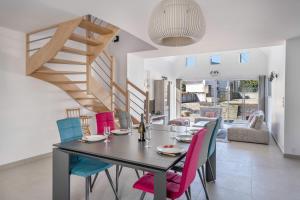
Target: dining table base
[(61, 177)]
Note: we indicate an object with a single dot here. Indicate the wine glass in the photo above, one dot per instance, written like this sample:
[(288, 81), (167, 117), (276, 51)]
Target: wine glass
[(148, 138), (186, 128), (107, 133)]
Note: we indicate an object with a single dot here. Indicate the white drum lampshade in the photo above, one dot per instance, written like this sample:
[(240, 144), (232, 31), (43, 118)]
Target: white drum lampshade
[(176, 23)]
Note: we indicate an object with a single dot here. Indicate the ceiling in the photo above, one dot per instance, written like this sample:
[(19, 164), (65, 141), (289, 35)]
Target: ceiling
[(230, 24)]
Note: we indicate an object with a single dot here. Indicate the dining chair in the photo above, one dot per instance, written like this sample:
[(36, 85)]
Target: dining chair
[(177, 184), (124, 119), (212, 144), (105, 119), (70, 130), (202, 158), (85, 125), (73, 112)]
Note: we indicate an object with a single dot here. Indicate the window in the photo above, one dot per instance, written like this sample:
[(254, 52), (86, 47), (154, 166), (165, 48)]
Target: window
[(190, 61), (244, 57), (215, 59)]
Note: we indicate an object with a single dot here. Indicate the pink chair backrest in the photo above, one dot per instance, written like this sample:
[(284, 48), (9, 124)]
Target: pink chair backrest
[(105, 119), (191, 161)]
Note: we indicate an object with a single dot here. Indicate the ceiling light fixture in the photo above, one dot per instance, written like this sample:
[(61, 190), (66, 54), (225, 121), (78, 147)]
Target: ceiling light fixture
[(176, 23)]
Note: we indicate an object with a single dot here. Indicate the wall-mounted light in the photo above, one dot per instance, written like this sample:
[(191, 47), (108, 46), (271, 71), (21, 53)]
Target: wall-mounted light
[(214, 73), (273, 76)]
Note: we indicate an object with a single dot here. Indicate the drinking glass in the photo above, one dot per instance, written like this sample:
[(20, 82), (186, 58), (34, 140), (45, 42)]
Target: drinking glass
[(107, 133), (148, 138), (130, 126), (173, 131)]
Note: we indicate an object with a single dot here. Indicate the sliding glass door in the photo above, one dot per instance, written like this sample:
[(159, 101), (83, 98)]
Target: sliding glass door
[(238, 98)]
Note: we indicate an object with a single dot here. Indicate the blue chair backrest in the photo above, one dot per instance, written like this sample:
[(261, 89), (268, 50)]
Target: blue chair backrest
[(69, 129), (212, 143)]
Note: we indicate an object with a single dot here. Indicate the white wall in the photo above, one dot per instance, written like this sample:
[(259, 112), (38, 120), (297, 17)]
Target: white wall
[(276, 110), (292, 96), (29, 107), (127, 44)]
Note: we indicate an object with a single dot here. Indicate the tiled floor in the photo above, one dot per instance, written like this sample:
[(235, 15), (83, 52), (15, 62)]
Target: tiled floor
[(245, 172)]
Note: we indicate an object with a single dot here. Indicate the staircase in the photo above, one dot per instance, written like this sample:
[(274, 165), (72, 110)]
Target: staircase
[(72, 56)]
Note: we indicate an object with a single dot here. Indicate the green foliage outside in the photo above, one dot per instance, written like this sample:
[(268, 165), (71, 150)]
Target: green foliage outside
[(248, 86)]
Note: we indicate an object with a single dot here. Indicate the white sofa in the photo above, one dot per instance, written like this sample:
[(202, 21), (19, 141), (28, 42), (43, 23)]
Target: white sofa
[(254, 130)]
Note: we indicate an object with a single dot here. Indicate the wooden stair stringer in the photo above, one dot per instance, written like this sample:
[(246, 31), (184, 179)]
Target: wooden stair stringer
[(105, 39), (96, 106), (49, 51)]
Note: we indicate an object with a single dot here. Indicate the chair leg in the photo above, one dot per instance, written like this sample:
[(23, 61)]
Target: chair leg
[(117, 178), (87, 187), (92, 183), (211, 170), (190, 192), (121, 168), (187, 195), (143, 196), (111, 183), (137, 173), (203, 174), (203, 184)]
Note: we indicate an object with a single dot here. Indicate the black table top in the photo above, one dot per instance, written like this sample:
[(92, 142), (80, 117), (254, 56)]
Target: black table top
[(127, 149)]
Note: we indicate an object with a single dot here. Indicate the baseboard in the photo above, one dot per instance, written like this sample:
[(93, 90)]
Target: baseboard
[(286, 155), (277, 144), (25, 161)]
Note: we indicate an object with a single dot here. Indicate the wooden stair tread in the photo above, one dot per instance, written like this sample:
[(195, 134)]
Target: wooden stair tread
[(81, 39), (68, 82), (94, 28), (84, 98), (76, 51), (63, 61), (71, 91), (58, 72)]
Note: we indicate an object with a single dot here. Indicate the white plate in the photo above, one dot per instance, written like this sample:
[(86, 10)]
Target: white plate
[(94, 138), (170, 149), (184, 138), (120, 131)]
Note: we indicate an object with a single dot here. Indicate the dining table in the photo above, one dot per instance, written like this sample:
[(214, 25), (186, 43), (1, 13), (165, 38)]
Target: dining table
[(122, 150)]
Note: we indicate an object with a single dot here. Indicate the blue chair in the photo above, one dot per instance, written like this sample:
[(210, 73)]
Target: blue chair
[(70, 130), (212, 143)]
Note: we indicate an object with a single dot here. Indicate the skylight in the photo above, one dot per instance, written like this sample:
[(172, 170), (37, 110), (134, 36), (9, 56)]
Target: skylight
[(215, 59), (244, 57), (190, 61)]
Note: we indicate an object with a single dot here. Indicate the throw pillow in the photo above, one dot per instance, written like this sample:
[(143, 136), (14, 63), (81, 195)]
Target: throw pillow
[(210, 114), (253, 122), (250, 117)]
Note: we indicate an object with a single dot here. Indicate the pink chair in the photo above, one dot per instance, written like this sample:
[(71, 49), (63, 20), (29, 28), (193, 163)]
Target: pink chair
[(177, 184), (105, 119)]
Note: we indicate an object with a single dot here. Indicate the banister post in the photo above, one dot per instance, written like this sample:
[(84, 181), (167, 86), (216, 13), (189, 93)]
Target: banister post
[(127, 97), (27, 54), (88, 62), (112, 80)]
